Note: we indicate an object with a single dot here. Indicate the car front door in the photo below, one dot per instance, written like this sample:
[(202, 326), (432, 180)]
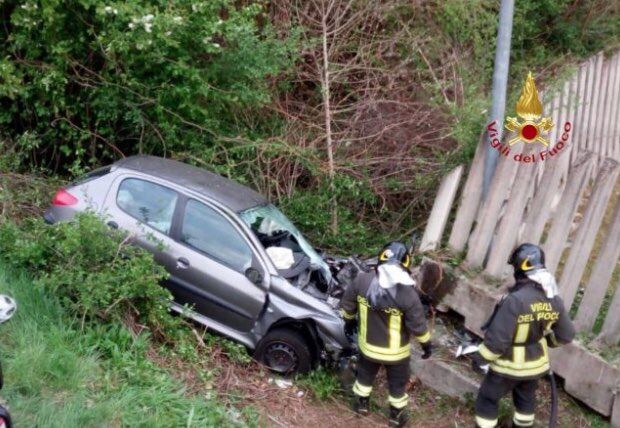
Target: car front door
[(216, 269)]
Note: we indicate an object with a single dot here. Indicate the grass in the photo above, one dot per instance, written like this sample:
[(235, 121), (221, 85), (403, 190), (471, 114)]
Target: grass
[(322, 382), (60, 375)]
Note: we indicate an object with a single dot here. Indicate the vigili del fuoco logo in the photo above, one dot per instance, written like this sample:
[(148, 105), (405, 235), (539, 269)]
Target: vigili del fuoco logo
[(531, 130)]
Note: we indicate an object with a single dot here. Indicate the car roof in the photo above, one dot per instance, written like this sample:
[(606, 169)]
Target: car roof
[(235, 196)]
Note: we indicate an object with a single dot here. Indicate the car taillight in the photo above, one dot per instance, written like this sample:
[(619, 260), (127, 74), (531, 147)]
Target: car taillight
[(62, 197)]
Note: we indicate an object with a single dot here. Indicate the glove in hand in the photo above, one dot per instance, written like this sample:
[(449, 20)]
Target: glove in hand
[(479, 364), (428, 350)]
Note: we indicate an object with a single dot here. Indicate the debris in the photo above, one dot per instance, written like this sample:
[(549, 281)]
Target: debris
[(280, 382)]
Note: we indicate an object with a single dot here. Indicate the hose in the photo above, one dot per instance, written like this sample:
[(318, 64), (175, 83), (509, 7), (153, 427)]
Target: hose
[(553, 415)]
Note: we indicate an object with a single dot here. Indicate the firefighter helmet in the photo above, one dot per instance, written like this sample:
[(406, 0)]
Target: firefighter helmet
[(527, 257), (395, 252)]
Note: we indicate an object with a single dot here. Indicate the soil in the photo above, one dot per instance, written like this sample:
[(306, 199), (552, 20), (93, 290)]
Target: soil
[(242, 385)]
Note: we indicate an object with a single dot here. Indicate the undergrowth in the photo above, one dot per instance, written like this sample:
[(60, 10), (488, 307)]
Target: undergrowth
[(59, 373)]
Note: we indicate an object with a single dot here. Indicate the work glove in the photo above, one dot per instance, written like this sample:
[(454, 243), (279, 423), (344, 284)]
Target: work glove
[(479, 364), (428, 350)]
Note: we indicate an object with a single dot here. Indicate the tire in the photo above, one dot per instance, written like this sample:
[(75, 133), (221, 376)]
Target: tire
[(284, 351)]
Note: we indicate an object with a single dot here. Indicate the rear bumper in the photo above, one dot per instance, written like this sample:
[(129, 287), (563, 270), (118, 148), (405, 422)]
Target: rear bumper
[(48, 217)]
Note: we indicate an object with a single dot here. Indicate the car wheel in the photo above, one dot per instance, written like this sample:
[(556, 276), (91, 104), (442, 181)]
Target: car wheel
[(284, 351)]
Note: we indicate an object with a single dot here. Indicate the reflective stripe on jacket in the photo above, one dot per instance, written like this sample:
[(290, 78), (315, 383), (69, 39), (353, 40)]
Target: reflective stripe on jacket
[(525, 323), (384, 333)]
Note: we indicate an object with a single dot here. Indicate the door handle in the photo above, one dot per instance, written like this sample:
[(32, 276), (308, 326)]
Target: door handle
[(113, 224), (182, 263)]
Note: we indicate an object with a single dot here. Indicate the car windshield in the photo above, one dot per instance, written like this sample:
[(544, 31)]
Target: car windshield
[(269, 219)]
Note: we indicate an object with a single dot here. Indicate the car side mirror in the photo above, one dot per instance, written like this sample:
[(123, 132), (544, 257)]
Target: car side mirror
[(254, 276)]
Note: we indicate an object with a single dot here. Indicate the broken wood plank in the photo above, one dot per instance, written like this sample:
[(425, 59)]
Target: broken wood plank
[(441, 210), (614, 132), (601, 111), (580, 112), (611, 100), (601, 276), (610, 333), (488, 215), (587, 231), (615, 414), (593, 118), (508, 229), (540, 207), (470, 201), (560, 226)]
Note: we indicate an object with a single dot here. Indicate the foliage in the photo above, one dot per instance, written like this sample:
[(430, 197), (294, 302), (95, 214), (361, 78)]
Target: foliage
[(94, 270), (309, 211), (323, 383), (83, 82), (543, 30), (24, 195), (546, 34), (60, 375), (235, 87), (236, 352)]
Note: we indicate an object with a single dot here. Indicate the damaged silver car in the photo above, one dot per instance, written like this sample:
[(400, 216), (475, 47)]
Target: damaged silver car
[(237, 265)]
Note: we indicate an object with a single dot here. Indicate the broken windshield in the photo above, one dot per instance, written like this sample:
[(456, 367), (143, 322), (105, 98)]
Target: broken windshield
[(269, 220)]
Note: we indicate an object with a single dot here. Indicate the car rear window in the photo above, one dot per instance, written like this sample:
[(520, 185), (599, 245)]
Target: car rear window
[(148, 202), (94, 174)]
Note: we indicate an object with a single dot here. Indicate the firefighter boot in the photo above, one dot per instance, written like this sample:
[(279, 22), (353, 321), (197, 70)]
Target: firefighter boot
[(361, 405), (398, 417)]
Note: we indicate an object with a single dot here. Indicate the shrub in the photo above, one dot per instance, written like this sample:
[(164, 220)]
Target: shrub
[(94, 270), (81, 82)]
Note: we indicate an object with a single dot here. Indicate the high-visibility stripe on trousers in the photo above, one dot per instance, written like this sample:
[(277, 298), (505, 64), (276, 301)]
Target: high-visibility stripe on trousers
[(493, 388), (399, 402), (485, 423), (523, 420), (397, 376), (361, 390)]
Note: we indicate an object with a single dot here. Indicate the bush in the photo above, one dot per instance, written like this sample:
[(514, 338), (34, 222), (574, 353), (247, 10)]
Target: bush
[(133, 77), (61, 374), (94, 270)]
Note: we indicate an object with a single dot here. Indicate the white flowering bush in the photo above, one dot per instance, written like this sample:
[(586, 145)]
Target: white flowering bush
[(85, 79)]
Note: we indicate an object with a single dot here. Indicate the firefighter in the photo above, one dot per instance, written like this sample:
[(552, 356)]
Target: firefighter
[(525, 322), (389, 311)]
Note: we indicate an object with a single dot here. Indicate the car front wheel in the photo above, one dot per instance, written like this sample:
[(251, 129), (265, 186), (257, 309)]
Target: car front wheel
[(285, 351)]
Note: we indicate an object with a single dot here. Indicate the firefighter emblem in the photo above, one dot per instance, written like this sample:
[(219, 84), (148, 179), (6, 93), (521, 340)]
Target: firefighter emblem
[(529, 109)]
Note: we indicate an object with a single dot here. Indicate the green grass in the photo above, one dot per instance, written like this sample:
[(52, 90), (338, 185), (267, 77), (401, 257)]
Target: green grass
[(322, 382), (59, 375)]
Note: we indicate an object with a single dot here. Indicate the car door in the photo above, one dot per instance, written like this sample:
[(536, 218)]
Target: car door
[(216, 269), (145, 209)]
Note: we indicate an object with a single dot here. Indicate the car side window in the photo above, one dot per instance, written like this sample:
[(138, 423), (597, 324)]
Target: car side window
[(211, 233), (148, 202)]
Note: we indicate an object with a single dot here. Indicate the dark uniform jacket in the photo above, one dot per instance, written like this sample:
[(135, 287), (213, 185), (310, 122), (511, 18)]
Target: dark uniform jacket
[(384, 331), (523, 325)]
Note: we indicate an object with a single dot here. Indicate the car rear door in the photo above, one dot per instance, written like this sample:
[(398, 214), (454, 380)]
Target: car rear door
[(145, 208), (216, 267)]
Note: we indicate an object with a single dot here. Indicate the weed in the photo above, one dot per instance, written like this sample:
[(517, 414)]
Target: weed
[(60, 375), (322, 382)]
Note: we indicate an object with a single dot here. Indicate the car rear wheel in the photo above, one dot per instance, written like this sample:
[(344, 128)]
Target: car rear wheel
[(285, 351)]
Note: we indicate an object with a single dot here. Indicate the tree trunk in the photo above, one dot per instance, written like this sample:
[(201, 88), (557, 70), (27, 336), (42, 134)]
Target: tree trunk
[(328, 127)]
